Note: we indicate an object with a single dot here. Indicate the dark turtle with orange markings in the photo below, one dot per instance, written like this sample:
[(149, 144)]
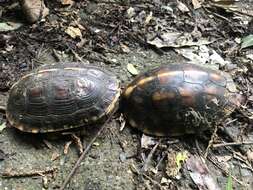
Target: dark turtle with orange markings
[(62, 96), (179, 99)]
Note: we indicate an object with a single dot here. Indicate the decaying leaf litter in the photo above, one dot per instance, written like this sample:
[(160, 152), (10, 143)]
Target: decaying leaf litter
[(129, 37)]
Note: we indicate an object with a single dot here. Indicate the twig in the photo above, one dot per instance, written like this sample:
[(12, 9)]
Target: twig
[(224, 171), (78, 162), (210, 143), (10, 173), (216, 14), (231, 144), (149, 178), (147, 161), (2, 108)]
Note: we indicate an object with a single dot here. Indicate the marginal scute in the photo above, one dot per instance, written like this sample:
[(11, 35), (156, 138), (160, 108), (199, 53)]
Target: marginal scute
[(128, 91)]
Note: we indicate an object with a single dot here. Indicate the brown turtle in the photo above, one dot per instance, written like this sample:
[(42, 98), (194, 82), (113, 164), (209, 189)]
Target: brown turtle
[(179, 99), (62, 96)]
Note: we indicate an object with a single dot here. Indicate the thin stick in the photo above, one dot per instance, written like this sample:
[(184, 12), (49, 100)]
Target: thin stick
[(149, 178), (2, 108), (11, 173), (210, 143), (231, 144), (78, 162), (150, 155), (224, 171)]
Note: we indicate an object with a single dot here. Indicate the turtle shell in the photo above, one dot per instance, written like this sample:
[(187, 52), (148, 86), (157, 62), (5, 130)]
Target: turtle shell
[(179, 99), (62, 96)]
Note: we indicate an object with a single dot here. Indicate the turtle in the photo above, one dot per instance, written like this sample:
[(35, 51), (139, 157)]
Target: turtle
[(179, 99), (62, 96)]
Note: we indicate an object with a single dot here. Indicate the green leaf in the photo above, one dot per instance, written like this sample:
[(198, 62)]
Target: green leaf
[(181, 157), (229, 185), (131, 69), (2, 126), (247, 41)]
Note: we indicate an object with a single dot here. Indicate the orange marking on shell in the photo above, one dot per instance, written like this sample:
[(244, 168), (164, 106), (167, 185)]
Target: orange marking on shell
[(165, 77), (26, 76), (185, 92), (145, 80), (34, 130), (20, 127), (157, 96), (61, 92), (211, 90), (73, 68), (46, 70), (216, 78), (35, 92), (128, 91)]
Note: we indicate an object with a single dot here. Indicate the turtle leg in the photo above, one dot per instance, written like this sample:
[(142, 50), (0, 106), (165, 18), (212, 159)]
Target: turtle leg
[(75, 138)]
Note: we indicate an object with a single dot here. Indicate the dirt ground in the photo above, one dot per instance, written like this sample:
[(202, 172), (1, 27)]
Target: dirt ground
[(119, 35)]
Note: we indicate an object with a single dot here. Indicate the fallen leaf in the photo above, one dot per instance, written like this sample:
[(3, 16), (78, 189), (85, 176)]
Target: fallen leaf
[(174, 163), (249, 56), (165, 180), (180, 158), (147, 141), (197, 3), (124, 48), (67, 2), (203, 55), (247, 41), (177, 39), (96, 144), (8, 26), (55, 156), (2, 126), (73, 32), (130, 12), (182, 7), (224, 2), (148, 18), (131, 69), (200, 174)]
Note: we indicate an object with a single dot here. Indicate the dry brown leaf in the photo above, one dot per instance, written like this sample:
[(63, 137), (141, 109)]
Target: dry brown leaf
[(131, 69), (182, 7), (197, 3), (67, 2), (55, 156), (200, 174), (148, 18), (73, 32)]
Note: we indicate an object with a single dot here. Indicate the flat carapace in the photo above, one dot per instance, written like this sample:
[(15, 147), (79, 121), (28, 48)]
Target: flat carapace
[(179, 99), (62, 96)]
